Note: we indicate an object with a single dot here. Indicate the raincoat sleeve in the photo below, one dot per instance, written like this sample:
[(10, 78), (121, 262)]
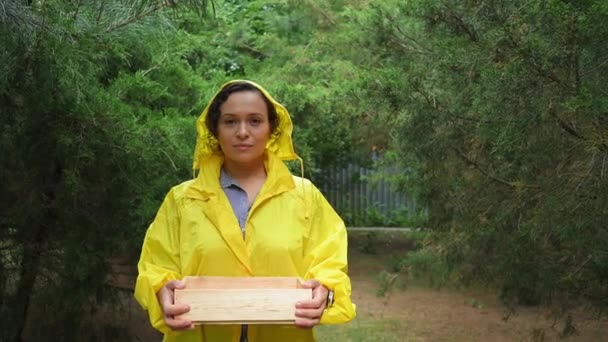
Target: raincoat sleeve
[(326, 257), (159, 261)]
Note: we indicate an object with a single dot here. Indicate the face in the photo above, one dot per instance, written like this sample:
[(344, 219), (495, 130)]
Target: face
[(243, 128)]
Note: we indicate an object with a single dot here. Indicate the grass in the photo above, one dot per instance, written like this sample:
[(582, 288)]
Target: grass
[(363, 330), (369, 257)]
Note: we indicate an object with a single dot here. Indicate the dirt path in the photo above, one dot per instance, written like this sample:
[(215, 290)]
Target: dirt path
[(446, 315)]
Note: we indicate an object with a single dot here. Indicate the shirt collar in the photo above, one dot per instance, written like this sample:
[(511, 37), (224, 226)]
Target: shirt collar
[(226, 181)]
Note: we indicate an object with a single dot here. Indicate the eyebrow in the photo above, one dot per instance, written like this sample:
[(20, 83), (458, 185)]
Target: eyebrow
[(249, 114)]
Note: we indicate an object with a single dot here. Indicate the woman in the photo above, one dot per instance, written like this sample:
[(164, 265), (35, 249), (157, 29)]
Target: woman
[(245, 215)]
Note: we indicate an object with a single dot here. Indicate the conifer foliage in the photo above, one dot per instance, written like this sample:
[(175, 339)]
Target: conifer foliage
[(501, 128), (83, 159)]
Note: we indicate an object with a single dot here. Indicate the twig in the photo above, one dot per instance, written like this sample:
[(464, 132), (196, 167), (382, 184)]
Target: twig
[(77, 11), (580, 267), (566, 127), (141, 15), (172, 163), (529, 57), (460, 23), (255, 52), (152, 68), (487, 174), (101, 9), (419, 45), (595, 67), (318, 8), (588, 172)]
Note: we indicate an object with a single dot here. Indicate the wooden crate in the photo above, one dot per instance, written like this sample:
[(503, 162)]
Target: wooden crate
[(235, 300)]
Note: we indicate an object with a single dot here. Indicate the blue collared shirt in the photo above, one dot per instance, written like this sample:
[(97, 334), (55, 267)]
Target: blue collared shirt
[(237, 197), (238, 200)]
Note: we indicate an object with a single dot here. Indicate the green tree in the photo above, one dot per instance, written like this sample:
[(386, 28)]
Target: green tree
[(501, 128), (84, 161)]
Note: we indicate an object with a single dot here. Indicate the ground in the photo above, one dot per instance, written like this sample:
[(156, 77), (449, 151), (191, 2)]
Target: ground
[(415, 313)]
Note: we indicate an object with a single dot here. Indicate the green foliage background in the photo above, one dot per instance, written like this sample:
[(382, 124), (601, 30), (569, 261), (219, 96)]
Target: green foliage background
[(503, 127), (494, 111)]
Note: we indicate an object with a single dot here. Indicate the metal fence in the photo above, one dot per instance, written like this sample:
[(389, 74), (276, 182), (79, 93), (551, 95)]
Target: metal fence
[(365, 200)]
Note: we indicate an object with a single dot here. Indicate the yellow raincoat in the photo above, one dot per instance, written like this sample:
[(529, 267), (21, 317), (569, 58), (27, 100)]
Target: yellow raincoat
[(291, 230)]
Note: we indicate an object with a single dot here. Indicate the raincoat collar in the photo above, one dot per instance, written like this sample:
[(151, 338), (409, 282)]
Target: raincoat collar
[(207, 185)]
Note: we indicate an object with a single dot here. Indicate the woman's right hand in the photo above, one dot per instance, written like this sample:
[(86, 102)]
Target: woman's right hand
[(165, 298)]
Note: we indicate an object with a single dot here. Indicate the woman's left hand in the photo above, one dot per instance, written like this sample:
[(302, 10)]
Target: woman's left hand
[(308, 312)]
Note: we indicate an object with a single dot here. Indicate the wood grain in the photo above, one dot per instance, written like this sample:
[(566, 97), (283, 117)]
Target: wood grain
[(242, 282), (236, 300)]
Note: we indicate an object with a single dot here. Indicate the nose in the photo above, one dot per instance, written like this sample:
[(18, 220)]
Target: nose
[(242, 131)]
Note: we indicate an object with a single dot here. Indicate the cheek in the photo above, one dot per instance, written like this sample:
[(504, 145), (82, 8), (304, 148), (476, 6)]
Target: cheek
[(222, 133), (266, 137), (222, 138), (267, 132)]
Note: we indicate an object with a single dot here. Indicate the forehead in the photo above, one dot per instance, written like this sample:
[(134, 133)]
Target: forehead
[(244, 102)]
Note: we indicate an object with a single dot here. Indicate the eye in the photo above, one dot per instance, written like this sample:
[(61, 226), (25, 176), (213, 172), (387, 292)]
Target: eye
[(229, 122), (255, 121)]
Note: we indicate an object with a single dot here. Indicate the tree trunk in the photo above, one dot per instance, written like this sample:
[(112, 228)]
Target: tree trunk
[(30, 266), (34, 243)]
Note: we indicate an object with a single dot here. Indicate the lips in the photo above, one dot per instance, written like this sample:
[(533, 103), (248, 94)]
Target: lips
[(242, 147)]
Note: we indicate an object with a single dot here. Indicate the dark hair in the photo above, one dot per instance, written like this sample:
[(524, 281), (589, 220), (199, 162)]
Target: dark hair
[(213, 116)]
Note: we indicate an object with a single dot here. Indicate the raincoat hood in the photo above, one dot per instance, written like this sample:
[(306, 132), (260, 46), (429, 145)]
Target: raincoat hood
[(280, 143)]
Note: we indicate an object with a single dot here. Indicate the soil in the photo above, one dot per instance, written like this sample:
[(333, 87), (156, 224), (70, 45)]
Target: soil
[(427, 314)]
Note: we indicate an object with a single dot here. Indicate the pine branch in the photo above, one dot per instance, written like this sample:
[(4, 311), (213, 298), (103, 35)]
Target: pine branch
[(143, 14), (199, 6), (459, 22), (19, 17), (600, 64), (253, 51), (529, 57), (563, 124), (317, 8), (420, 47), (566, 127), (100, 13), (512, 184), (77, 11)]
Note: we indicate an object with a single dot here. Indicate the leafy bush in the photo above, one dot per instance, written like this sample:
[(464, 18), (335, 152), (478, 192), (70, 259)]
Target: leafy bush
[(498, 122)]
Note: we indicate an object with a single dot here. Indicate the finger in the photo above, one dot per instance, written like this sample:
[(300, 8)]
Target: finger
[(320, 293), (310, 304), (166, 301), (309, 313), (310, 284), (175, 284), (178, 324), (306, 323), (177, 309), (319, 297), (166, 293)]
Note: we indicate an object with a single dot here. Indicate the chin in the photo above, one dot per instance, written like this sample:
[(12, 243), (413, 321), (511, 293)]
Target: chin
[(246, 159)]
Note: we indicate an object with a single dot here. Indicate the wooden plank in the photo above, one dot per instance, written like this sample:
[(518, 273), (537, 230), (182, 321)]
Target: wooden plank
[(242, 300), (243, 306), (242, 282)]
